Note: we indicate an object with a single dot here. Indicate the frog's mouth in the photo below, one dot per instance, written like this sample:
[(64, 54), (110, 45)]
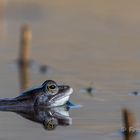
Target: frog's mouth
[(61, 97)]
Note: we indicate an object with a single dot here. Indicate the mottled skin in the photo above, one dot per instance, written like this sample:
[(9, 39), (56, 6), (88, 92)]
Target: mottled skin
[(49, 94)]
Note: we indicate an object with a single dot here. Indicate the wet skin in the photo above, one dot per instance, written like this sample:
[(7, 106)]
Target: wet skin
[(49, 94)]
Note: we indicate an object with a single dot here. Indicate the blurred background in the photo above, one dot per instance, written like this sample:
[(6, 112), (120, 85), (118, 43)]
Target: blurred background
[(81, 41)]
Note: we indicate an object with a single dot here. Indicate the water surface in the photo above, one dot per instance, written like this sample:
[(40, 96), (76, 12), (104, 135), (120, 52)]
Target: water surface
[(83, 42)]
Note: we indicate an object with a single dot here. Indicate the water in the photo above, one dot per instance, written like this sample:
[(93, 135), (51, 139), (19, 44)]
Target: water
[(81, 42)]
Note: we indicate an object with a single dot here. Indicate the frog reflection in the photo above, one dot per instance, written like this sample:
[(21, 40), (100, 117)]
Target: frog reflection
[(49, 118)]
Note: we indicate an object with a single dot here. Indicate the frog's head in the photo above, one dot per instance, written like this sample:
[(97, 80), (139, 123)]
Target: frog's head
[(58, 95)]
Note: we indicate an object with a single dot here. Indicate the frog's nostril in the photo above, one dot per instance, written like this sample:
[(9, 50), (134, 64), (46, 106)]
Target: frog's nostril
[(65, 87)]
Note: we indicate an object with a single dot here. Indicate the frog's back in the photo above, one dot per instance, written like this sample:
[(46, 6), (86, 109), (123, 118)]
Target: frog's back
[(26, 98), (29, 94)]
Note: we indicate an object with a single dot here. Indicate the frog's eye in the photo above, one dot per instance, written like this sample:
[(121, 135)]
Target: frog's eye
[(52, 86)]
